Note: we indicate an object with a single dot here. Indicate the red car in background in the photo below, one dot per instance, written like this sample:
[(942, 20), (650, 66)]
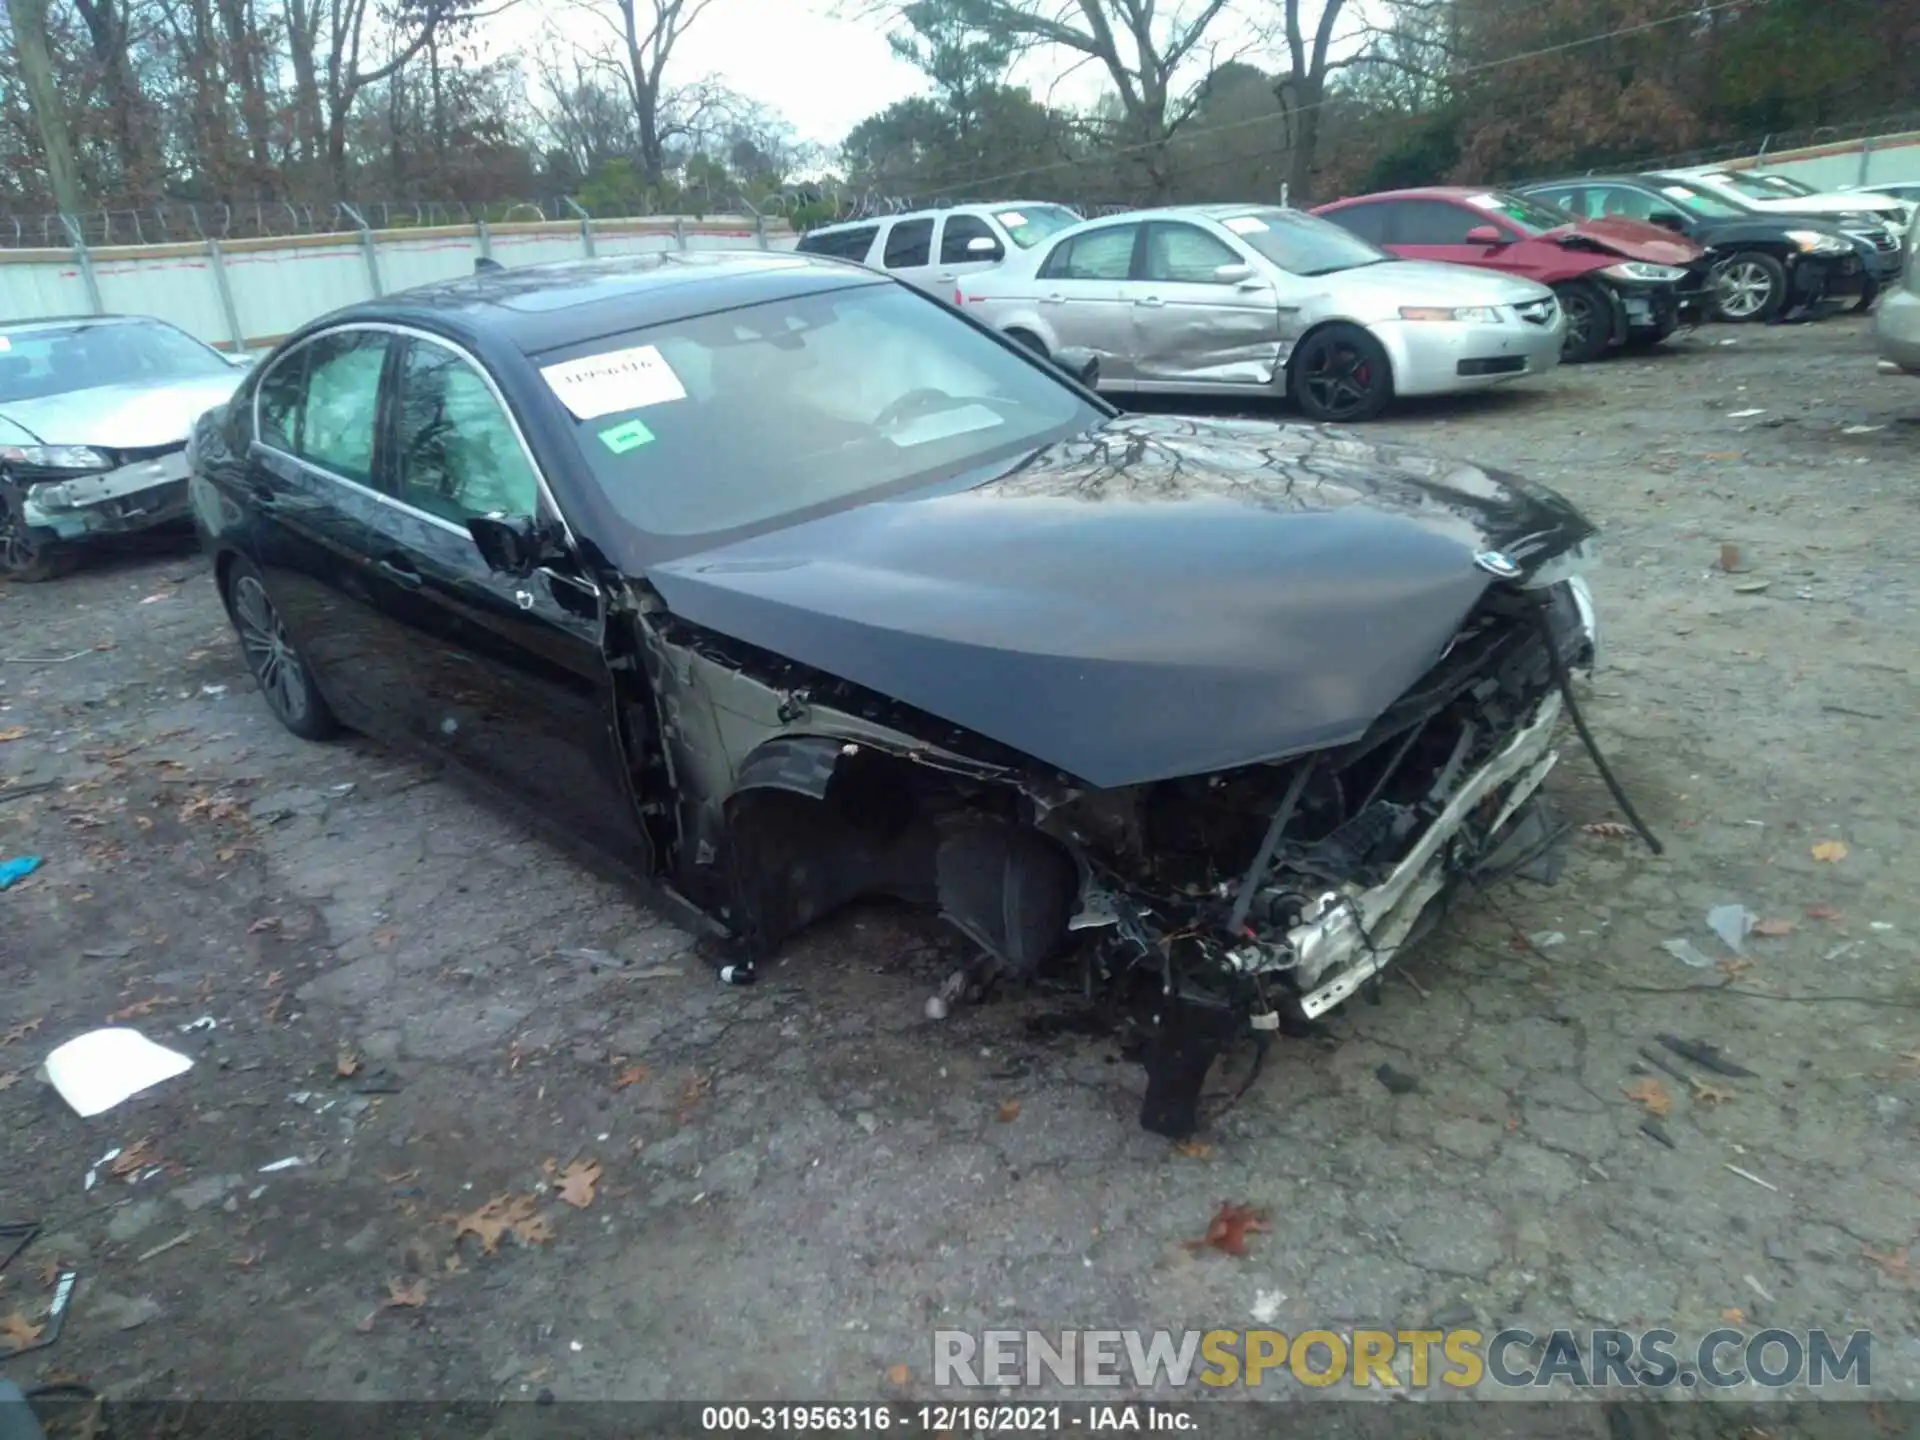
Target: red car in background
[(1619, 281)]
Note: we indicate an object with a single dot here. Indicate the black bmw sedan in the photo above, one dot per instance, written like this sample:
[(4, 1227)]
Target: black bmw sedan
[(780, 583)]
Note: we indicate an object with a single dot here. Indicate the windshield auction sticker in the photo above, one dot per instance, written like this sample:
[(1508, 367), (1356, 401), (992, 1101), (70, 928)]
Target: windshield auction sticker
[(1245, 224), (618, 380)]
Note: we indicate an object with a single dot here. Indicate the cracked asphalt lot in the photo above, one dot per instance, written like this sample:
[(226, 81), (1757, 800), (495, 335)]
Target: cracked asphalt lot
[(429, 1008)]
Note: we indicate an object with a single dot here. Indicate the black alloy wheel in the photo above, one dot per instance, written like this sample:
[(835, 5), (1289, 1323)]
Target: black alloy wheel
[(1341, 374), (283, 675), (1589, 323), (25, 556)]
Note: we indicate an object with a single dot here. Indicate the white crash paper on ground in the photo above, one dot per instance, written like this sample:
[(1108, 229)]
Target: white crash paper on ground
[(630, 379), (1245, 224), (96, 1071)]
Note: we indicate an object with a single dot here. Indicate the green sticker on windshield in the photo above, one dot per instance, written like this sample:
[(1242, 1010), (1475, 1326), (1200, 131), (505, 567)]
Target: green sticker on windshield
[(630, 436)]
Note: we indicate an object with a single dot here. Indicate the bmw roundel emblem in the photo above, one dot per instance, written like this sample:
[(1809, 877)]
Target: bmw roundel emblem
[(1497, 564)]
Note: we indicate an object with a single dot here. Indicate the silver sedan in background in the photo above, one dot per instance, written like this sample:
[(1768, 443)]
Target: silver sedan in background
[(1234, 299)]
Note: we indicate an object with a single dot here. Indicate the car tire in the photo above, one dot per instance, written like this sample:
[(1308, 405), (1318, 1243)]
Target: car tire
[(283, 674), (1340, 375), (25, 557), (1589, 322), (1749, 289), (1032, 341)]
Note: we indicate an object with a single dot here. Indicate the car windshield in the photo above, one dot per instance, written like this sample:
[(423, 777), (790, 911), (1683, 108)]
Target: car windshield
[(767, 413), (1303, 244), (1701, 203), (48, 360), (1030, 224), (1533, 216)]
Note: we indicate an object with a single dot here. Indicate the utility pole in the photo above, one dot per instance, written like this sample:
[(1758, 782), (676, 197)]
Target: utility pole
[(28, 19)]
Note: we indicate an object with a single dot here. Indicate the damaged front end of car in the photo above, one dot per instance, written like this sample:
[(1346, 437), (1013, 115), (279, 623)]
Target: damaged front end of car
[(1262, 898), (1202, 908)]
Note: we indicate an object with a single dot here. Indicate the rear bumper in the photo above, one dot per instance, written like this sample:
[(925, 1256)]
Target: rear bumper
[(1443, 357), (137, 496)]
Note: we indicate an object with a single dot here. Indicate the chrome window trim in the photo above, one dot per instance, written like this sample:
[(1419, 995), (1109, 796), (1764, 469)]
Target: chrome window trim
[(388, 327)]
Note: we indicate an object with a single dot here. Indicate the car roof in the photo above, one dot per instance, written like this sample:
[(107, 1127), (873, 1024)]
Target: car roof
[(1424, 192), (64, 322), (969, 207), (537, 308)]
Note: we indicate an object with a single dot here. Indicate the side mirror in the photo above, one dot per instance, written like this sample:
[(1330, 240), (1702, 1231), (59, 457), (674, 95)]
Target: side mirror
[(1234, 274), (985, 247), (1081, 365), (1487, 235), (1666, 220), (514, 545)]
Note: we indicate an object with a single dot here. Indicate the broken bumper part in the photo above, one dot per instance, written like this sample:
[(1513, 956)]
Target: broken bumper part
[(1355, 934), (135, 496)]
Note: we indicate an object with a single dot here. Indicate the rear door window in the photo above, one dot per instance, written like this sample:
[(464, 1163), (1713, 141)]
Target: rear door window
[(1103, 254), (841, 244), (909, 244)]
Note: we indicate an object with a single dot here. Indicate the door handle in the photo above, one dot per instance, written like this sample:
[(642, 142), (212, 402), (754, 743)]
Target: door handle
[(1053, 299), (1150, 300), (401, 572), (947, 279)]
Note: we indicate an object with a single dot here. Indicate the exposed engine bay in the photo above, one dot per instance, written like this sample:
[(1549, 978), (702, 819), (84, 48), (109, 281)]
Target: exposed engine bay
[(1204, 907)]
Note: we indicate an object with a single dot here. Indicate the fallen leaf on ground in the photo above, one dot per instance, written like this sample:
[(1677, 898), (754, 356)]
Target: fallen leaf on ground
[(400, 1177), (1773, 927), (18, 732), (1708, 1093), (1894, 1264), (21, 1031), (1733, 969), (899, 1374), (1822, 912), (263, 924), (1229, 1228), (10, 1079), (410, 1296), (346, 1064), (632, 1075), (1008, 1112), (136, 1156), (1651, 1094), (246, 1259), (492, 1222), (137, 1009), (1830, 851), (16, 1328), (577, 1182), (1194, 1149), (691, 1094), (1734, 1315), (1609, 829)]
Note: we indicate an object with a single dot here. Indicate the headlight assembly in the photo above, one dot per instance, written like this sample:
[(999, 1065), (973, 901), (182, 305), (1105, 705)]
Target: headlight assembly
[(78, 458), (1475, 314)]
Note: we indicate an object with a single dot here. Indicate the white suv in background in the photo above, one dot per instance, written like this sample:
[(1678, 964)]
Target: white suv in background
[(932, 249)]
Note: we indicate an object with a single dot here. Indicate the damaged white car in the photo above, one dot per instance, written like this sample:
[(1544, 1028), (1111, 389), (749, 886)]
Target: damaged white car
[(94, 414)]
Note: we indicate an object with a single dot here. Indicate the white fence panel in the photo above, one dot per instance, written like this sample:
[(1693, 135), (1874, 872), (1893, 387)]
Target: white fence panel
[(42, 282), (1884, 159), (277, 284)]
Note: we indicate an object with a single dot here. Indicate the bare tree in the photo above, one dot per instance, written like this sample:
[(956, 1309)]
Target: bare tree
[(645, 33), (1142, 49), (28, 20), (1302, 90)]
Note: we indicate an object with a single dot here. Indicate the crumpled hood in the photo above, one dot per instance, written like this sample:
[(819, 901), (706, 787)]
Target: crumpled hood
[(1157, 597), (117, 417), (1637, 240)]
